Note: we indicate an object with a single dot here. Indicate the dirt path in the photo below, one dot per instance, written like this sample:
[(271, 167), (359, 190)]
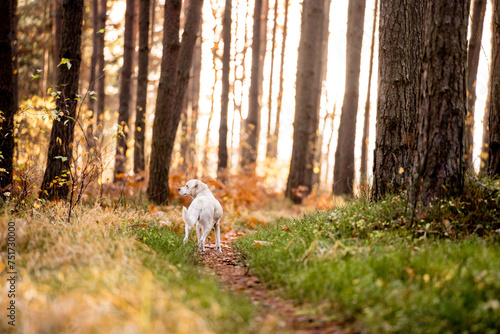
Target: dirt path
[(278, 315)]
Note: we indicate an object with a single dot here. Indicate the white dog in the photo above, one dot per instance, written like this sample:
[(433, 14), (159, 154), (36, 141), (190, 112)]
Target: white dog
[(205, 212)]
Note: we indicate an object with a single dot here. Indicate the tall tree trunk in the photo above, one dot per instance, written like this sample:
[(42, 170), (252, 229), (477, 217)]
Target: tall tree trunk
[(175, 67), (226, 58), (56, 33), (125, 96), (192, 169), (400, 47), (494, 112), (306, 101), (142, 86), (55, 184), (476, 34), (8, 100), (366, 124), (439, 166), (325, 36), (483, 169), (270, 100), (250, 142), (329, 145), (275, 135), (93, 64), (343, 171), (101, 94)]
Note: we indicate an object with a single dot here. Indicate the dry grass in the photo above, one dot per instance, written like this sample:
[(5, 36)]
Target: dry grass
[(88, 276)]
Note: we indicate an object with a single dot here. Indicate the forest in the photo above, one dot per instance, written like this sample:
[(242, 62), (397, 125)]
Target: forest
[(353, 146)]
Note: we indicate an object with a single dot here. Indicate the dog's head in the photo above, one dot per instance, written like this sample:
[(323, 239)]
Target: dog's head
[(192, 188)]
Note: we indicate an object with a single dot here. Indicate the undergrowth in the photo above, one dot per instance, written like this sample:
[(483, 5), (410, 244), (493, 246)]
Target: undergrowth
[(380, 271), (111, 271)]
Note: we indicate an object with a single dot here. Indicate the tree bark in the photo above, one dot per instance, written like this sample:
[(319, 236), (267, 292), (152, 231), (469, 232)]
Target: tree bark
[(175, 67), (55, 184), (476, 34), (89, 136), (275, 135), (142, 87), (192, 168), (56, 37), (439, 166), (366, 124), (494, 112), (226, 59), (270, 101), (250, 141), (343, 171), (483, 169), (300, 177), (8, 90), (325, 36), (401, 29), (125, 96), (101, 75)]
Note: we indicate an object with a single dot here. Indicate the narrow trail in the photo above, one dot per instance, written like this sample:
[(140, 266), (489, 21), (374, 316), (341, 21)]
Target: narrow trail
[(277, 314)]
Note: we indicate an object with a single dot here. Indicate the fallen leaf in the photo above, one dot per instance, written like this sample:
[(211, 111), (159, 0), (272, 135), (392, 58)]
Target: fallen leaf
[(258, 243)]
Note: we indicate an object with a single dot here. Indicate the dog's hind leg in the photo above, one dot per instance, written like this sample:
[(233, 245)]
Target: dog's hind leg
[(201, 241), (217, 236), (199, 231), (188, 229)]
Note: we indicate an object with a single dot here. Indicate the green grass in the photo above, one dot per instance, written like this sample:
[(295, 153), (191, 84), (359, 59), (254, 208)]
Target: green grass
[(176, 264), (370, 267)]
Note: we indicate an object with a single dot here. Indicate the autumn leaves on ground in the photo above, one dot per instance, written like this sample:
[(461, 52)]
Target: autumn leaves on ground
[(119, 265)]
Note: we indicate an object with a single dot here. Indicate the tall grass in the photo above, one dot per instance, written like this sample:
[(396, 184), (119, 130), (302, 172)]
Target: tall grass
[(442, 275), (96, 275)]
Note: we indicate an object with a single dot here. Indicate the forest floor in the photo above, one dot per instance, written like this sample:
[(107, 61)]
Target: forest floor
[(277, 313), (361, 266)]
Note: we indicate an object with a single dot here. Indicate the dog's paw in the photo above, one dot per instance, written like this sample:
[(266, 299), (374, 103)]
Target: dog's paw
[(185, 240)]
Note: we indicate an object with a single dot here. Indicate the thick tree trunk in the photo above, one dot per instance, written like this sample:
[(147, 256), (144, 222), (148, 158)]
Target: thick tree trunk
[(175, 67), (125, 95), (401, 29), (476, 34), (366, 124), (300, 177), (250, 142), (439, 166), (494, 112), (55, 184), (8, 90), (101, 94), (226, 58), (142, 86), (343, 171)]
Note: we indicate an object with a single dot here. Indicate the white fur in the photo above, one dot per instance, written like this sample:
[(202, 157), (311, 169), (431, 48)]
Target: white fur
[(204, 212)]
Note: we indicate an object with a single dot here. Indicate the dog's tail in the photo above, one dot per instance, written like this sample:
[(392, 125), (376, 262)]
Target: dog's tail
[(185, 217)]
